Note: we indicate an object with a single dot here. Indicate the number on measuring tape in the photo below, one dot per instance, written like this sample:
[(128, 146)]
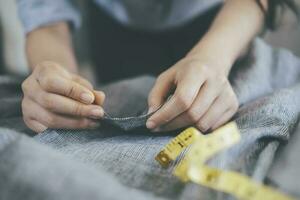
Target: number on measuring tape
[(203, 149), (233, 183), (219, 140), (192, 166), (173, 149)]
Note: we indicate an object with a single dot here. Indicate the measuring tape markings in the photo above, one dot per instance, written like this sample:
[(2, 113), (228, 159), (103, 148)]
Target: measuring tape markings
[(222, 138), (204, 148), (230, 182), (173, 149), (192, 168), (233, 183)]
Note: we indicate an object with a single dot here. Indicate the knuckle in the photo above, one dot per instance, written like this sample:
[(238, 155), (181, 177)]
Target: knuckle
[(49, 120), (78, 110), (234, 103), (222, 80), (183, 101), (47, 102), (71, 92), (235, 106), (204, 69), (25, 86), (193, 115), (161, 77), (47, 83), (202, 126), (232, 96)]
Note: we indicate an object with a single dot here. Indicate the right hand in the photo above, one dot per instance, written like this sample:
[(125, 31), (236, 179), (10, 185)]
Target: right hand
[(56, 98)]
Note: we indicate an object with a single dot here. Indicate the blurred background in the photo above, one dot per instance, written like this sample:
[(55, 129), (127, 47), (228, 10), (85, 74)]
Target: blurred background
[(12, 55)]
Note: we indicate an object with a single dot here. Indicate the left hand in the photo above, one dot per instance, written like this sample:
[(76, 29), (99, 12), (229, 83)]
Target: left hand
[(203, 96)]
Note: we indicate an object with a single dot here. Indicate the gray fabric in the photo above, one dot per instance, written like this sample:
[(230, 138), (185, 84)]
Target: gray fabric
[(29, 170), (268, 88), (284, 172), (142, 14), (124, 115), (128, 123)]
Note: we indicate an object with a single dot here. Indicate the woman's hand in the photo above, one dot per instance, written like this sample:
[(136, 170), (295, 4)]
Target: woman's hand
[(203, 96), (56, 98)]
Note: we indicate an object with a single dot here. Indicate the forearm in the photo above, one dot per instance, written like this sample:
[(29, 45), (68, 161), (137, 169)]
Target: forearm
[(238, 22), (51, 43)]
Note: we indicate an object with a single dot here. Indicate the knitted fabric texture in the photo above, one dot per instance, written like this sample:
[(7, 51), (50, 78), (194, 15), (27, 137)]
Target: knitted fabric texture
[(111, 163)]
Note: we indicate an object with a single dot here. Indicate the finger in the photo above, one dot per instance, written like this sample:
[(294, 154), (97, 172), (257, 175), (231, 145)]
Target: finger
[(63, 105), (160, 91), (68, 88), (225, 118), (205, 98), (82, 81), (215, 111), (35, 125), (185, 94), (53, 120), (99, 97)]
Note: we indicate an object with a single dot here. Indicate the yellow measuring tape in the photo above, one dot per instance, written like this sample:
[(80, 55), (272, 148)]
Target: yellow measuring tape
[(206, 147), (192, 167), (177, 145)]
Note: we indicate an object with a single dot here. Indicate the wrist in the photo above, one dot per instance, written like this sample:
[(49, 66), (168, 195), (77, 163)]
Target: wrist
[(51, 44), (213, 58)]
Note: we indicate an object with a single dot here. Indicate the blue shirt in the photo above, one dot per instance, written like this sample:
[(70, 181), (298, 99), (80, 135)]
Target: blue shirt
[(141, 14)]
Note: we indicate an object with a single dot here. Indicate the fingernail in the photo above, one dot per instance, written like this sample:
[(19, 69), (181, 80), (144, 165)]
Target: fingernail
[(150, 124), (87, 98), (97, 113)]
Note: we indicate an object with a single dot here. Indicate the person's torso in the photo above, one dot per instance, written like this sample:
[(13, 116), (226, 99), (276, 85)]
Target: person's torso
[(155, 14)]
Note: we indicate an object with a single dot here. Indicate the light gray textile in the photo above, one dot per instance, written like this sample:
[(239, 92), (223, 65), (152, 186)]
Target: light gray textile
[(123, 111), (29, 170), (128, 123), (284, 172), (268, 88), (142, 14)]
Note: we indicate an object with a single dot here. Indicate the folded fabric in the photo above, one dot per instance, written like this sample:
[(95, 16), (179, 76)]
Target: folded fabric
[(128, 123)]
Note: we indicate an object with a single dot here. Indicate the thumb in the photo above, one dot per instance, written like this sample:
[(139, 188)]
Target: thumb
[(99, 97), (160, 91)]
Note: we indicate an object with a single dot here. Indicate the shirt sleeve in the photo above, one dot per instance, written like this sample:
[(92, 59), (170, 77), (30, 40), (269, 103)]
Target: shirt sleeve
[(37, 13)]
